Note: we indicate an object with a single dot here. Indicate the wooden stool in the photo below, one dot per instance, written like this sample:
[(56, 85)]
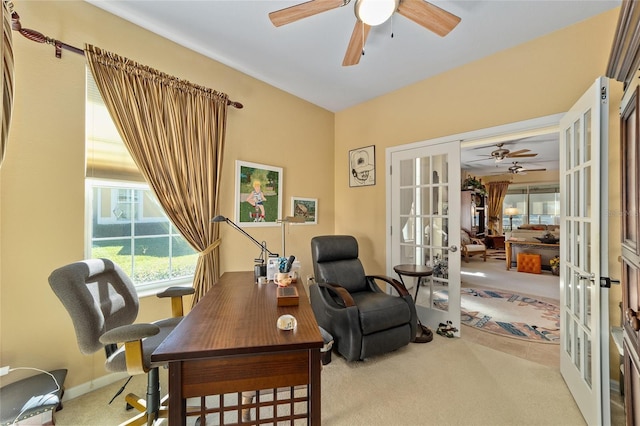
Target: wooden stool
[(528, 262)]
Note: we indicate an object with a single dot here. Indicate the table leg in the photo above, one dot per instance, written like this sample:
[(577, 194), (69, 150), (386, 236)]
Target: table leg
[(415, 298), (507, 253)]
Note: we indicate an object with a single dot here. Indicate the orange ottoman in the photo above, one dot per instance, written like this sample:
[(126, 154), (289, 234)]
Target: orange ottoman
[(528, 262)]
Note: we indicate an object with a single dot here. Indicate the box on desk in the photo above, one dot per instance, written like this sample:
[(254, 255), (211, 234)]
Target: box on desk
[(287, 296)]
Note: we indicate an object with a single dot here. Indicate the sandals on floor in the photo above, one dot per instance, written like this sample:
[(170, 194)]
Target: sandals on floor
[(446, 330), (424, 334)]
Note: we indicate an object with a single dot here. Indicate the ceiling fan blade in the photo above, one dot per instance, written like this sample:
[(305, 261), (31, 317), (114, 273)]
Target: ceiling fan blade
[(520, 155), (518, 152), (429, 16), (356, 44), (303, 10), (535, 170)]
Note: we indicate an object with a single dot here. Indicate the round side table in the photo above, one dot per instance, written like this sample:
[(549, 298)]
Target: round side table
[(419, 271)]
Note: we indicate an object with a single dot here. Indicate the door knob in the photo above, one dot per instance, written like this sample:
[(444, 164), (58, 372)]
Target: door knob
[(453, 249)]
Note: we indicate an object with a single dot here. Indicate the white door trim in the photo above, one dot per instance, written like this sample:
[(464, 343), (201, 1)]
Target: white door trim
[(487, 136)]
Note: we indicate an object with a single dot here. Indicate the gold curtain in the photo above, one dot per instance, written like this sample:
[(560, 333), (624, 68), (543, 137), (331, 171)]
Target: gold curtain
[(6, 56), (497, 192), (175, 132)]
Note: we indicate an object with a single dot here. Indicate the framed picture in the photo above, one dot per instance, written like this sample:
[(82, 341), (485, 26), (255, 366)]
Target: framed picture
[(362, 166), (306, 208), (258, 194)]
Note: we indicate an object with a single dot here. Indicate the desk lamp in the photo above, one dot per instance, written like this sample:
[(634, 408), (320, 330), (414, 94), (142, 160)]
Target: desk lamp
[(260, 267), (290, 219), (511, 211)]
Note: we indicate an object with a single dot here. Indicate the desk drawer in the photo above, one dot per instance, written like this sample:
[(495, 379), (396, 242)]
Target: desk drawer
[(244, 373)]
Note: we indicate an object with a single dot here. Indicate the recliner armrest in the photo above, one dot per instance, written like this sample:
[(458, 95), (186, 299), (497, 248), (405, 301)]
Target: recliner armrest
[(176, 293), (339, 291), (397, 285)]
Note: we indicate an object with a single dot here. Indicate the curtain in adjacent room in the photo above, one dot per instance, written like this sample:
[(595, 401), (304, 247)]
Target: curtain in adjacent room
[(175, 131), (6, 56), (497, 191)]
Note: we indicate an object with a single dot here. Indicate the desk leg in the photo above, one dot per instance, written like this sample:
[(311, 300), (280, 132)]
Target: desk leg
[(177, 403), (314, 373)]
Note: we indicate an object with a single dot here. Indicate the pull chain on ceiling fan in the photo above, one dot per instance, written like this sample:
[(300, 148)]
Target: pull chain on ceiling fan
[(371, 13)]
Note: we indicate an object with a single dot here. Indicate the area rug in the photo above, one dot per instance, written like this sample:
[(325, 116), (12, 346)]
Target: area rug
[(507, 314)]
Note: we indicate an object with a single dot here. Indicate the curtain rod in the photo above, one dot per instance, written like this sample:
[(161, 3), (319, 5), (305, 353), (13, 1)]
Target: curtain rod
[(41, 38)]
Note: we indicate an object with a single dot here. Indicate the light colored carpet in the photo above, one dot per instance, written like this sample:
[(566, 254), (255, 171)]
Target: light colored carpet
[(493, 274), (445, 382)]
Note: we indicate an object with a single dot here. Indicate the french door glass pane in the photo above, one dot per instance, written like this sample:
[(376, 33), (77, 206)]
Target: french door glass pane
[(424, 171), (568, 289), (440, 169), (568, 335), (587, 359), (407, 172), (587, 135), (577, 141)]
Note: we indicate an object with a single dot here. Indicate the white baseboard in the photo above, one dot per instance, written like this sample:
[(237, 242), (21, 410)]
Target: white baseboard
[(100, 382)]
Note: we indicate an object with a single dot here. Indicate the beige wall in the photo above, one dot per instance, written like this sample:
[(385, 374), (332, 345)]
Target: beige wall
[(536, 79), (42, 186), (42, 207)]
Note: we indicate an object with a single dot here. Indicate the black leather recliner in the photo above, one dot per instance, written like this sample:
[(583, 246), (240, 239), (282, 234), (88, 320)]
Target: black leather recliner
[(364, 320)]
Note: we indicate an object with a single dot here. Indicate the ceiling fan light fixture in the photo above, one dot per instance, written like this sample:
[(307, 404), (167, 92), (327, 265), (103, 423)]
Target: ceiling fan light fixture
[(375, 12)]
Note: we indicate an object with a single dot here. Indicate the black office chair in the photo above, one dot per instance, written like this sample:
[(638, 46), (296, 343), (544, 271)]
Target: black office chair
[(103, 304), (364, 320)]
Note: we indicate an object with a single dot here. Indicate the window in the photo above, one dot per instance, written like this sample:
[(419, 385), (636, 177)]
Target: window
[(125, 222), (536, 204)]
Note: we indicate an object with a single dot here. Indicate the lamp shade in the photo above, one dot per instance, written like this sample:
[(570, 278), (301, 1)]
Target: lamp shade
[(375, 12), (511, 211)]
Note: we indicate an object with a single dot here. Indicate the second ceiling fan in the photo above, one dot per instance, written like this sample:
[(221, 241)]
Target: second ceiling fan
[(371, 13)]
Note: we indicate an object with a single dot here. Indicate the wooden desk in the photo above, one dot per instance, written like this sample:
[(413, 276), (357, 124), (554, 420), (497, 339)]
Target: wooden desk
[(509, 244), (229, 343)]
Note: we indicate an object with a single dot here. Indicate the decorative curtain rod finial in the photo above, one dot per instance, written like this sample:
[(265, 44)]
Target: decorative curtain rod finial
[(41, 38)]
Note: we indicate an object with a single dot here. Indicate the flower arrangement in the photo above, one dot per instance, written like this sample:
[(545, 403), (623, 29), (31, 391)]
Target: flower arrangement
[(555, 262), (476, 184)]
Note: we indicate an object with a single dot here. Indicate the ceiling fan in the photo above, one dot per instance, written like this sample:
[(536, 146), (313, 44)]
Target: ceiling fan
[(501, 153), (371, 13), (517, 169)]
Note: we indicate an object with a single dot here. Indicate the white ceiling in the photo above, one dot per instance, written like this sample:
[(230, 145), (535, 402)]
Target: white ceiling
[(478, 162), (304, 58)]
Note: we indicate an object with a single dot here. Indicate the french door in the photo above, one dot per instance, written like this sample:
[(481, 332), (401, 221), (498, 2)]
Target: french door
[(425, 226), (584, 323)]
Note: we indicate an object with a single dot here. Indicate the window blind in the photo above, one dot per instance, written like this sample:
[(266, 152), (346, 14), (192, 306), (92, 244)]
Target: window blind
[(107, 157)]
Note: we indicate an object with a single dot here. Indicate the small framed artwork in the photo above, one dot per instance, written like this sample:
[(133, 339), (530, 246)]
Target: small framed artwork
[(362, 166), (306, 208), (258, 194)]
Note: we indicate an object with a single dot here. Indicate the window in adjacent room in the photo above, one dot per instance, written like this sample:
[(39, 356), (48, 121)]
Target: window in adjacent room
[(536, 204), (125, 223)]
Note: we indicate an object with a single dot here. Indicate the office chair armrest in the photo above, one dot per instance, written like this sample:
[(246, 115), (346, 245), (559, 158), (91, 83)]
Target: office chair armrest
[(176, 293), (397, 285), (129, 333), (339, 291)]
